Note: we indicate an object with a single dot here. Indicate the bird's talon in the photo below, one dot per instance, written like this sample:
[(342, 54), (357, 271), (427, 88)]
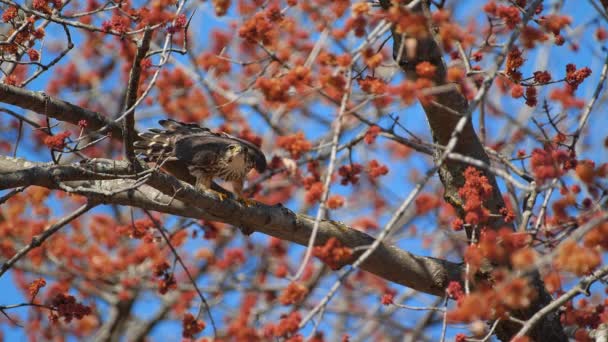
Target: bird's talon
[(246, 201), (221, 196)]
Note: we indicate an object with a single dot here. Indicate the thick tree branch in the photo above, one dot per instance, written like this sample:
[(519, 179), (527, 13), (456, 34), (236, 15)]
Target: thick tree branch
[(167, 194), (444, 117)]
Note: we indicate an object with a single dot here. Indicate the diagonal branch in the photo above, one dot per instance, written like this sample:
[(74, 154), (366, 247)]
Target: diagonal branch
[(165, 193), (581, 288)]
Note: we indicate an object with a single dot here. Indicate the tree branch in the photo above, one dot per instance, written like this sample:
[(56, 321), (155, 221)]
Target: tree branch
[(131, 97), (61, 110), (460, 137), (165, 193)]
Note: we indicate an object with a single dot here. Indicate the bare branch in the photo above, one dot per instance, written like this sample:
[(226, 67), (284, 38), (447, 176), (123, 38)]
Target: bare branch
[(131, 97)]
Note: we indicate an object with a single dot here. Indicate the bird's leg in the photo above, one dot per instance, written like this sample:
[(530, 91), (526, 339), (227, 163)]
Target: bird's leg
[(203, 183), (237, 187)]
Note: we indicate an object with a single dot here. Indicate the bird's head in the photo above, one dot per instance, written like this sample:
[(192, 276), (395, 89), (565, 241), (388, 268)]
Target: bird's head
[(234, 150)]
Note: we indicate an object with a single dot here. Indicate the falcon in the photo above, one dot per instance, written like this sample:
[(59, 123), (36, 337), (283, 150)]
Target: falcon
[(196, 155)]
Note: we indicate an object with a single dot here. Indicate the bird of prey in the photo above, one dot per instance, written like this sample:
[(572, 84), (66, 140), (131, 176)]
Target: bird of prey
[(196, 155)]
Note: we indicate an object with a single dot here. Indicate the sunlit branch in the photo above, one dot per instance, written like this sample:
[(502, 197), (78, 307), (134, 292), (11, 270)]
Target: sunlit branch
[(328, 175), (425, 274)]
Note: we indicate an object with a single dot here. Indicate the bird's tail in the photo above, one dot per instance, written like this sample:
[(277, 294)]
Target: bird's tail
[(155, 145)]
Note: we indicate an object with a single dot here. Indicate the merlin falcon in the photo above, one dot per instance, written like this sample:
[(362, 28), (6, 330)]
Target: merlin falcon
[(196, 155)]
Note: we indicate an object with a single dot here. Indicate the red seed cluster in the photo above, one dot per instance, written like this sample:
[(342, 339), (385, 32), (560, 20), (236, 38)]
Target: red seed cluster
[(517, 91), (597, 237), (510, 14), (314, 192), (554, 23), (9, 14), (259, 29), (57, 141), (375, 169), (232, 257), (507, 214), (350, 173), (474, 192), (296, 144), (293, 293), (288, 325), (117, 24), (454, 290), (548, 163), (191, 326), (332, 253), (161, 269), (335, 202), (66, 306), (371, 134), (576, 259), (531, 96), (487, 304), (274, 89), (426, 69), (542, 77), (387, 298), (514, 62), (575, 77), (34, 55), (35, 287), (426, 202)]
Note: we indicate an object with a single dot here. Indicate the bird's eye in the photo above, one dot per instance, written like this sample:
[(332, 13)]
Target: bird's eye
[(232, 147)]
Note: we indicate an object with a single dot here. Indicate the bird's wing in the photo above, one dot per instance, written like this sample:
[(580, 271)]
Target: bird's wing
[(200, 149), (192, 143)]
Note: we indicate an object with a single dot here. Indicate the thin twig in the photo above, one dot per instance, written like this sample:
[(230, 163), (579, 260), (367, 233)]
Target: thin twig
[(587, 111), (11, 193), (328, 176), (183, 265)]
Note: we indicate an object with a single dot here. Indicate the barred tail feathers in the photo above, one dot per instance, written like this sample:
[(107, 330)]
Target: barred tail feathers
[(154, 145)]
